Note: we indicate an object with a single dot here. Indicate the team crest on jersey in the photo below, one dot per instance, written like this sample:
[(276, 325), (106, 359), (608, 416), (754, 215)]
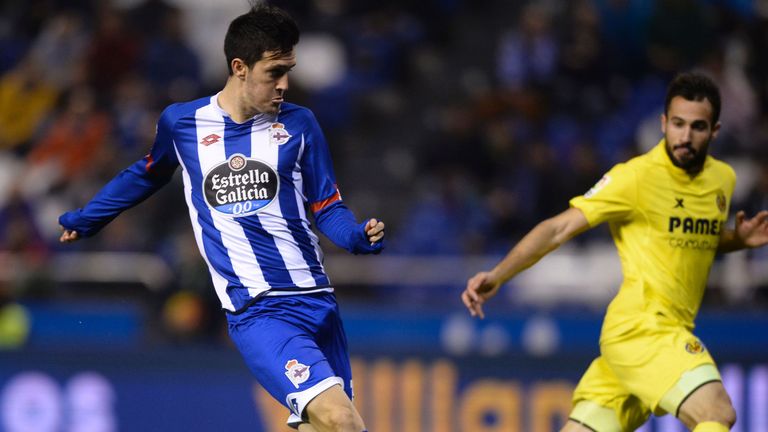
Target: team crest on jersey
[(721, 201), (240, 186), (296, 372), (599, 185), (694, 347), (277, 134)]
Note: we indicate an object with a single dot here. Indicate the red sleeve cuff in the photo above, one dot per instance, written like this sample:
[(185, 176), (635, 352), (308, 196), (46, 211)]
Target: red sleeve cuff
[(316, 207)]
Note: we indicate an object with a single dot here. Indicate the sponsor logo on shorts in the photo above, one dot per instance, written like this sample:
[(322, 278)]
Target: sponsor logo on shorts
[(240, 186), (695, 347), (296, 372)]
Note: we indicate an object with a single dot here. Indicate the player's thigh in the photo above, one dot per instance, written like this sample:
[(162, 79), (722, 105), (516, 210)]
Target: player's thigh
[(661, 366), (710, 402), (332, 341), (601, 403), (285, 360)]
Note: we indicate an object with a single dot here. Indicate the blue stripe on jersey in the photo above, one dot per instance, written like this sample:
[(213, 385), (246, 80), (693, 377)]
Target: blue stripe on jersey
[(211, 236), (287, 155), (270, 260), (237, 139)]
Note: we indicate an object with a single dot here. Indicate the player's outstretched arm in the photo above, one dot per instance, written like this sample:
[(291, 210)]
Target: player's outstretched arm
[(748, 233), (130, 187), (339, 224), (541, 240)]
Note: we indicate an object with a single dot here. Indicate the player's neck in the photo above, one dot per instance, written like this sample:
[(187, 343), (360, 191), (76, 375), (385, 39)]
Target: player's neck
[(231, 103)]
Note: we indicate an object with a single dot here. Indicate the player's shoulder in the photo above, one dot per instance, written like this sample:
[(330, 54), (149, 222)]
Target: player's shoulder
[(720, 168), (643, 164), (173, 112), (642, 160), (627, 168), (718, 174), (290, 112)]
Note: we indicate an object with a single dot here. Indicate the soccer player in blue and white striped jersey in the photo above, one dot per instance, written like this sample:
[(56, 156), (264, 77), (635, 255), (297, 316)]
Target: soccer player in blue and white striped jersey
[(253, 165)]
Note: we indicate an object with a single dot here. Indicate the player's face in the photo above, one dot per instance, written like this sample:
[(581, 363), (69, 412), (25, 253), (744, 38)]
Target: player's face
[(267, 81), (688, 129)]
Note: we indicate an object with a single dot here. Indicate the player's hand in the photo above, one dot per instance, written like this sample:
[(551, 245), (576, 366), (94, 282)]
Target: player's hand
[(753, 232), (374, 229), (68, 236), (480, 288)]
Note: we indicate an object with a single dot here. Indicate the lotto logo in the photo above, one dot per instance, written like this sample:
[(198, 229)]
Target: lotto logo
[(210, 139)]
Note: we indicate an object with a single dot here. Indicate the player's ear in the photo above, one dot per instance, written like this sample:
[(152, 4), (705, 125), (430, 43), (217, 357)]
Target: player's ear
[(239, 68), (715, 130), (663, 123)]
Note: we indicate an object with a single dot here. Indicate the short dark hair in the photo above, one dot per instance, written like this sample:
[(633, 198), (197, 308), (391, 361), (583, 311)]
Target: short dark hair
[(263, 28), (694, 87)]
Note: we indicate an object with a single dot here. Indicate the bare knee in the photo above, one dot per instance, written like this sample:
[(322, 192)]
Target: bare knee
[(710, 405), (721, 413), (343, 419), (730, 418), (337, 419), (332, 411)]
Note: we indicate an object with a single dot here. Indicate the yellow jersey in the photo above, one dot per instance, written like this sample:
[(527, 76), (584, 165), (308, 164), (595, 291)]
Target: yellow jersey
[(666, 226)]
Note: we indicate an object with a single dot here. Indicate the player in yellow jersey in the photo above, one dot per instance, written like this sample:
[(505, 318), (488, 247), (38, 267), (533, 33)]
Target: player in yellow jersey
[(666, 211)]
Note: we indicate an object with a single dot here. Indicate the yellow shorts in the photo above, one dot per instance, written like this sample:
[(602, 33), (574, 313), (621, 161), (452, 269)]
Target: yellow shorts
[(651, 370)]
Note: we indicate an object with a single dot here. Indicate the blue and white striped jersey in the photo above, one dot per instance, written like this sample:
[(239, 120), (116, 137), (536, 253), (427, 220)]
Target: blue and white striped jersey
[(248, 187)]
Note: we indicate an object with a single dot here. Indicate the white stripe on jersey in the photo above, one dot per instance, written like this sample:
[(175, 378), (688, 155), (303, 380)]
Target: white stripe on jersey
[(219, 282), (209, 120), (271, 217)]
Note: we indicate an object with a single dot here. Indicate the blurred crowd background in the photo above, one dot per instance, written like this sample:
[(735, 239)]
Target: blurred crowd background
[(460, 124)]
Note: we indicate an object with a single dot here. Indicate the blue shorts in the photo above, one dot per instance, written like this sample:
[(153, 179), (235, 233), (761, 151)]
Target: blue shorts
[(295, 346)]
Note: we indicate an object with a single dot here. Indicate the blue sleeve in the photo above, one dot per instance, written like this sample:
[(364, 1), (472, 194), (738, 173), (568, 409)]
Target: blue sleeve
[(338, 224), (317, 168), (332, 217), (132, 186)]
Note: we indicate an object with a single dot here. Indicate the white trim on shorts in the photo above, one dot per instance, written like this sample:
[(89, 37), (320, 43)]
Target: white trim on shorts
[(302, 398), (689, 382)]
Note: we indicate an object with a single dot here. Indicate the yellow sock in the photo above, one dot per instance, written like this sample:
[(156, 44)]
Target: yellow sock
[(710, 426)]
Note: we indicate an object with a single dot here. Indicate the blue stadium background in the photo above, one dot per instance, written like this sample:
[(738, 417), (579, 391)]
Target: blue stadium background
[(460, 124)]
